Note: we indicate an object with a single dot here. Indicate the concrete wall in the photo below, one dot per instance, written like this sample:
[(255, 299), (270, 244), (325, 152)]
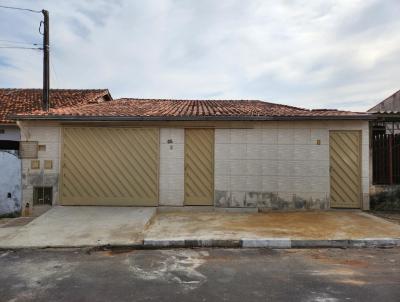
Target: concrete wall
[(279, 165), (10, 183), (171, 166), (11, 133), (49, 136)]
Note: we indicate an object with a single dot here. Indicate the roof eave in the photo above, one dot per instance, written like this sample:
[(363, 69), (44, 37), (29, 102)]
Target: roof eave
[(193, 118)]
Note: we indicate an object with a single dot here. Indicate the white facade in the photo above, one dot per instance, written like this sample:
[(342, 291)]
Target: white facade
[(280, 165), (277, 165)]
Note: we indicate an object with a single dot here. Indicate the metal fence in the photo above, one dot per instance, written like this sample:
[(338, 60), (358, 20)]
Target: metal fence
[(386, 159)]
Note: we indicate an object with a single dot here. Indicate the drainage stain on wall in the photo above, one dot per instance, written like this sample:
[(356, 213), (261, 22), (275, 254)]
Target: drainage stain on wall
[(269, 200)]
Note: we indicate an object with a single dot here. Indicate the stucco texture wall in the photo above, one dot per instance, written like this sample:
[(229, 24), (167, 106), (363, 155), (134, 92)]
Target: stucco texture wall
[(279, 165), (50, 136)]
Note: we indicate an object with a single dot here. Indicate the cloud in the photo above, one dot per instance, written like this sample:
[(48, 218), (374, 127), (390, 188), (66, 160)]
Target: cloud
[(333, 53)]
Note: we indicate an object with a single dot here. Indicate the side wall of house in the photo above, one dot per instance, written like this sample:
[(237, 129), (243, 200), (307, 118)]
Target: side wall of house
[(50, 136), (10, 174), (280, 165)]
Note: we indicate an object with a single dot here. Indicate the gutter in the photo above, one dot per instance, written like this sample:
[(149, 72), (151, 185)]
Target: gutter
[(191, 118)]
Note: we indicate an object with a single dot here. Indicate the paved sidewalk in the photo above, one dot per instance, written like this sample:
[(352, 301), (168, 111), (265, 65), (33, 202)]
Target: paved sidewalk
[(333, 228), (143, 228), (80, 227)]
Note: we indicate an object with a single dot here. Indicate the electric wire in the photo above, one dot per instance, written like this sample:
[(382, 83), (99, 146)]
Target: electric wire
[(19, 47), (21, 8), (18, 42)]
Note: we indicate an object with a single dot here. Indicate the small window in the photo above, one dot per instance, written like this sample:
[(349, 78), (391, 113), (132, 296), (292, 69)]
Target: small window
[(2, 131), (42, 196), (48, 164), (42, 148), (35, 164)]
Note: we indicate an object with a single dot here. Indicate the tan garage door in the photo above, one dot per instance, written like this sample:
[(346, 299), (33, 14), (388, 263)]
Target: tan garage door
[(199, 166), (345, 169), (110, 166)]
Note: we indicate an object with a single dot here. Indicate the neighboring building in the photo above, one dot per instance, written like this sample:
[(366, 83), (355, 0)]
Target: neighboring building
[(13, 101), (145, 152), (385, 155)]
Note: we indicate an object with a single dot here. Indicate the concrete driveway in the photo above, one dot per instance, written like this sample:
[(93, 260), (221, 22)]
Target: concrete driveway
[(284, 229), (80, 226)]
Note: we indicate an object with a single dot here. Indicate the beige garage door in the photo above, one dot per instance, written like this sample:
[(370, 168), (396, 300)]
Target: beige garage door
[(110, 166), (199, 166), (345, 169)]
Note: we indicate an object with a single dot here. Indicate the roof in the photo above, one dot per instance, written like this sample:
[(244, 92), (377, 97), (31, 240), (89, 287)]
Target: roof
[(390, 105), (168, 109), (14, 100)]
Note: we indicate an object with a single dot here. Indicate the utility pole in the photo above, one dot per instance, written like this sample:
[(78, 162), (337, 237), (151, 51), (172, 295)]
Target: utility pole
[(46, 62)]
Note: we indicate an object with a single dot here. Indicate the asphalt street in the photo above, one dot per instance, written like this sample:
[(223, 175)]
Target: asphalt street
[(200, 275)]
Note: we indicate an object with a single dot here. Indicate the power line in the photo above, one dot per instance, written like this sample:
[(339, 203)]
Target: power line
[(21, 8), (18, 42), (20, 47)]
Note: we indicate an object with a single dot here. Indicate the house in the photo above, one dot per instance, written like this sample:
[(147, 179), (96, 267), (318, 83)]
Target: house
[(216, 153), (385, 147), (13, 101)]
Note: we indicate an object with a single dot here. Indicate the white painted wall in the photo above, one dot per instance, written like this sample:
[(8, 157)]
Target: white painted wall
[(10, 183), (281, 158), (171, 166), (11, 133), (51, 137)]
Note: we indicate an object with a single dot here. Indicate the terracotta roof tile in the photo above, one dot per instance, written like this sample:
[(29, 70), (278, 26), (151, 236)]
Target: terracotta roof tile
[(13, 100), (191, 109)]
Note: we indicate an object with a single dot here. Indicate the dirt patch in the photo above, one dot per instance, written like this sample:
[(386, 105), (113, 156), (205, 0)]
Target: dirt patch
[(328, 259), (326, 225), (16, 222)]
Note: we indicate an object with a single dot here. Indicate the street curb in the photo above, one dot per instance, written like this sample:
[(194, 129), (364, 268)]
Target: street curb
[(271, 243)]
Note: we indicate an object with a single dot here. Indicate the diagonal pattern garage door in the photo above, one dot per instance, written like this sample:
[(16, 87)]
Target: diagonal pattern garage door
[(199, 166), (110, 166), (345, 177)]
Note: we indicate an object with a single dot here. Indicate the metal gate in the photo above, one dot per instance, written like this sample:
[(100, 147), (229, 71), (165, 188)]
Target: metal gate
[(110, 166), (386, 159), (199, 166), (345, 169)]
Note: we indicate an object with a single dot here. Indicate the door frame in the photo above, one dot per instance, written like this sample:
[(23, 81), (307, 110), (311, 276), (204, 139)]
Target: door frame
[(360, 193)]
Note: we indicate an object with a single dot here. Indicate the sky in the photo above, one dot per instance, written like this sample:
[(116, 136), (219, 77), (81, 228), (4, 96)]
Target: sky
[(341, 54)]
